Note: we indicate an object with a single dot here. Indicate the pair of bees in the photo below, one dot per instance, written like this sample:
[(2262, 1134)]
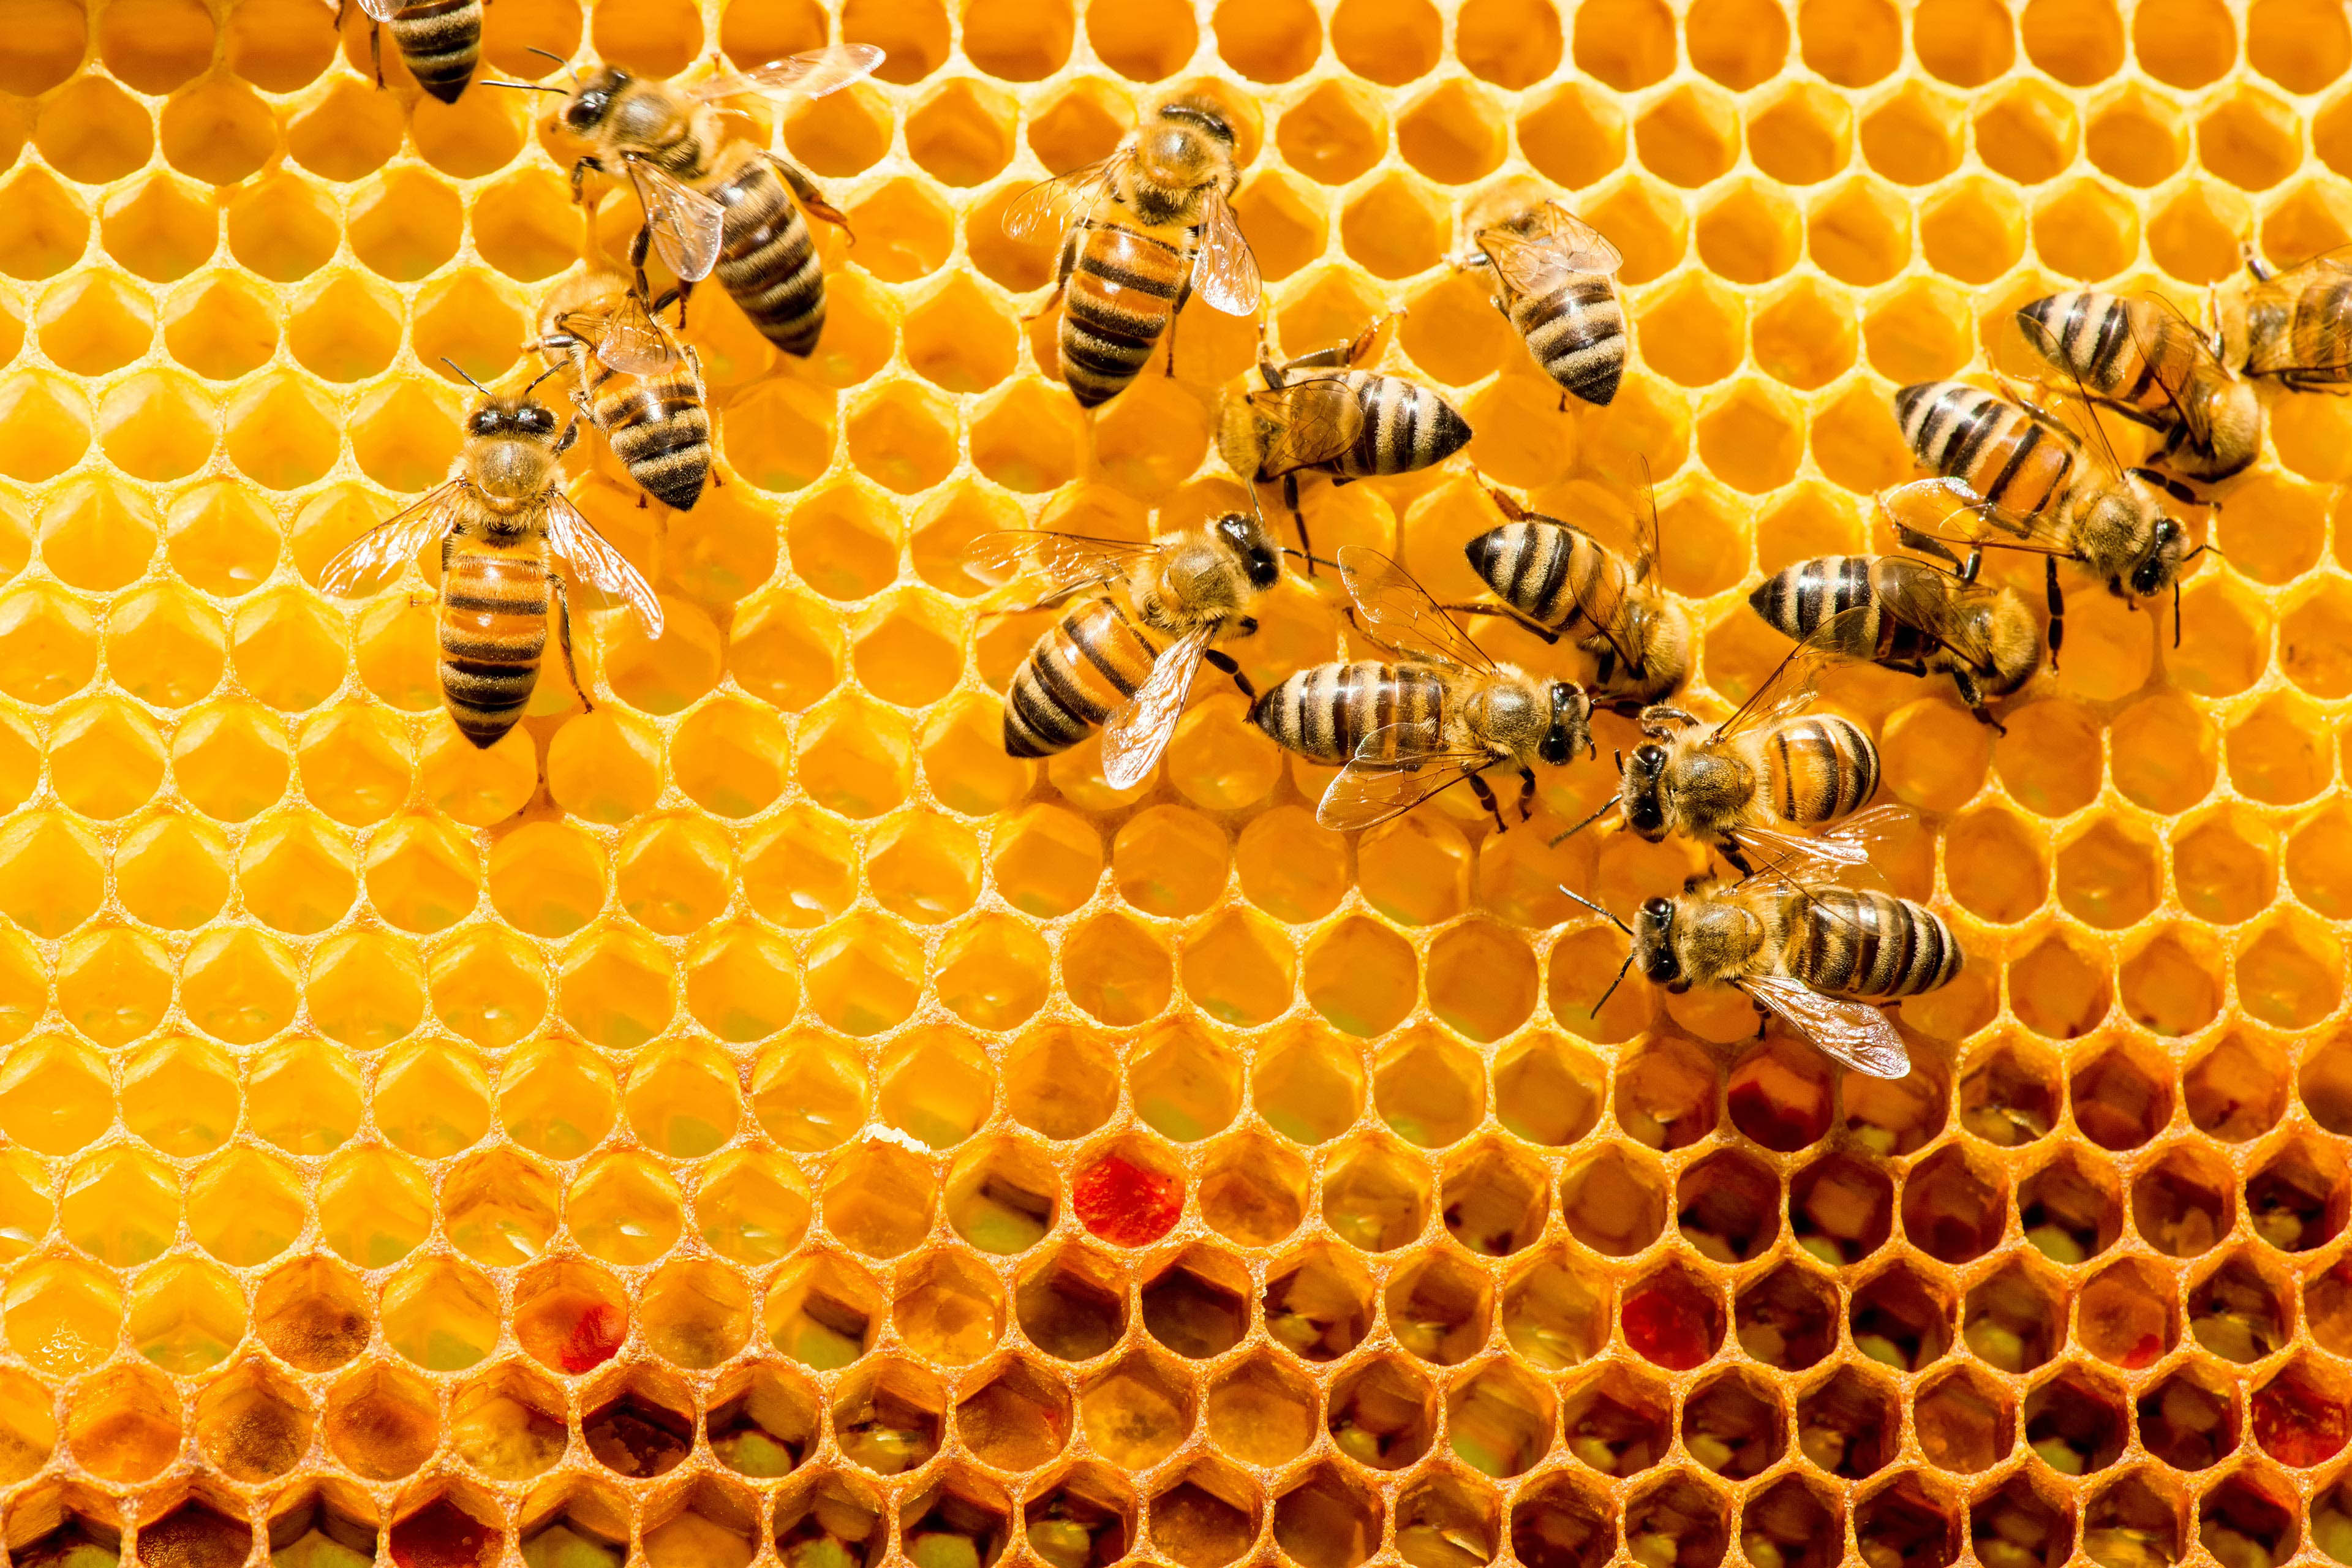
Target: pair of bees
[(1145, 229)]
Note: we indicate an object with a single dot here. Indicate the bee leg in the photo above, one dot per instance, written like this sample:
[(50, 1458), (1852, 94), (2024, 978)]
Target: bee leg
[(639, 248), (1225, 661), (1973, 695), (811, 200), (2169, 486), (1290, 500), (563, 641), (1371, 341), (579, 172), (1737, 857), (1506, 613), (375, 50), (2057, 600), (1526, 794), (1485, 794)]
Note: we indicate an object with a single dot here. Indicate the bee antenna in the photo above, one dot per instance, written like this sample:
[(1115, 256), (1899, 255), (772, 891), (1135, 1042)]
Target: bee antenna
[(526, 86), (1575, 896), (1613, 985), (1311, 560), (543, 375), (2175, 612), (460, 369), (558, 60), (1601, 812)]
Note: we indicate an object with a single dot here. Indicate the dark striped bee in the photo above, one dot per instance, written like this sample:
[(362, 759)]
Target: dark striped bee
[(1562, 582), (1400, 733), (1141, 623), (1555, 274), (2143, 359), (1320, 412), (1742, 785), (1820, 955), (2016, 467), (1912, 616), (440, 41), (635, 382), (713, 203), (504, 525), (1143, 231), (2292, 327)]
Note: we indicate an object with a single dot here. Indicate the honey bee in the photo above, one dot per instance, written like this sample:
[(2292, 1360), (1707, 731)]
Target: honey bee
[(1912, 616), (1320, 412), (2017, 467), (440, 41), (1820, 955), (1741, 786), (2143, 359), (1555, 274), (1402, 732), (713, 203), (504, 526), (2292, 327), (1560, 582), (633, 380), (1142, 231), (1141, 623)]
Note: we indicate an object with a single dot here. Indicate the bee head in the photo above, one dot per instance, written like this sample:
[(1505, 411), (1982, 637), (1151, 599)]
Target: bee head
[(593, 100), (1645, 779), (1246, 537), (1568, 733), (2167, 548), (1653, 943), (1188, 143)]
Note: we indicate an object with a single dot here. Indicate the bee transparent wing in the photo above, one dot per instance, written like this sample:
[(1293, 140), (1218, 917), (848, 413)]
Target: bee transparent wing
[(811, 74), (1854, 1033), (1845, 854), (1066, 562), (685, 222), (1225, 272), (1139, 731), (1841, 639), (383, 550), (1562, 246), (2191, 411), (1373, 788), (590, 556), (1924, 598), (1050, 205), (1399, 612), (635, 343), (1306, 408), (1949, 513), (382, 10)]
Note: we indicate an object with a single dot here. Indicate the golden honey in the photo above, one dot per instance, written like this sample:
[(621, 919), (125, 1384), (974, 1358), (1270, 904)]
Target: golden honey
[(734, 1125)]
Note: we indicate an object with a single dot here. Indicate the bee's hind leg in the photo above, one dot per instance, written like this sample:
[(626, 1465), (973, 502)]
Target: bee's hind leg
[(1526, 794), (563, 641), (1290, 500), (1485, 794), (639, 248), (2057, 600), (1218, 659)]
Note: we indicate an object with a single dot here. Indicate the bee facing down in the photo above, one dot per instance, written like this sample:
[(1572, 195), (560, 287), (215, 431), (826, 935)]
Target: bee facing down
[(2015, 468), (440, 41), (1563, 582), (504, 527), (1741, 786), (712, 202), (1141, 623), (2143, 359), (1320, 412), (1555, 279), (1445, 712), (640, 385), (1819, 955), (1911, 616), (1142, 231), (2292, 327)]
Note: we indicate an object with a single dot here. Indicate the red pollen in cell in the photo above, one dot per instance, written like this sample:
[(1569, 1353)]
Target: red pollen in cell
[(442, 1536), (2296, 1424), (593, 1338), (1664, 1330), (2143, 1352), (1126, 1203)]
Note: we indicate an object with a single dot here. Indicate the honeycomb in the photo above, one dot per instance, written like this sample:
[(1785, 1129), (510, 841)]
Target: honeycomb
[(759, 1120)]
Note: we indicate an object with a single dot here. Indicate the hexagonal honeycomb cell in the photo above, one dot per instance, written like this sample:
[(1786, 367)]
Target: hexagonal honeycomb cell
[(757, 1120)]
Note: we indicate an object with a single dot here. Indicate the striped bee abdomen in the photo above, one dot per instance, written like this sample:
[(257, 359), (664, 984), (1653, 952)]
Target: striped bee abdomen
[(1404, 427), (440, 41), (1851, 942), (767, 258), (1082, 671), (1325, 712), (2319, 330), (1121, 295), (659, 430), (1548, 573), (1578, 335), (2090, 333), (493, 630), (1800, 600), (1994, 448), (1818, 768)]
